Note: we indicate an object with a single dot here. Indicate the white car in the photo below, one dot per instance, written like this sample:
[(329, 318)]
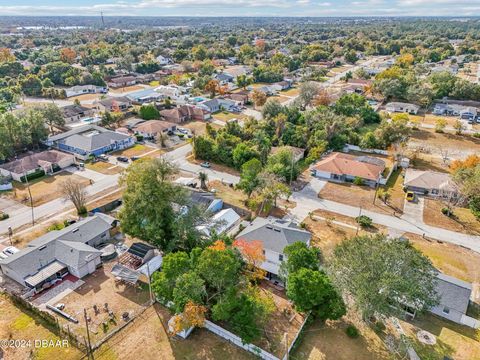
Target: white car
[(10, 250)]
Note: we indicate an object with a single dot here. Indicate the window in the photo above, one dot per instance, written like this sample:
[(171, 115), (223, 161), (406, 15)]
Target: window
[(446, 310), (280, 257)]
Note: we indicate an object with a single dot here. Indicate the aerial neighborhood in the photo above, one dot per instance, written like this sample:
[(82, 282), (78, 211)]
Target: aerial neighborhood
[(204, 188)]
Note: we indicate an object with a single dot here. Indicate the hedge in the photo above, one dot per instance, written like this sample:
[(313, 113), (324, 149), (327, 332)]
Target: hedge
[(35, 175)]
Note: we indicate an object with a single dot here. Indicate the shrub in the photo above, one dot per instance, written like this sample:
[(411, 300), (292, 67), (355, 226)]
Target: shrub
[(476, 135), (35, 175), (3, 216), (447, 212), (82, 211), (352, 332), (364, 221), (378, 327), (358, 181)]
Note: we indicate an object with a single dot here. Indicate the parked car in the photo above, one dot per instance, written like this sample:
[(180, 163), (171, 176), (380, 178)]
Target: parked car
[(103, 157), (410, 196), (134, 158), (205, 164), (122, 159), (10, 250)]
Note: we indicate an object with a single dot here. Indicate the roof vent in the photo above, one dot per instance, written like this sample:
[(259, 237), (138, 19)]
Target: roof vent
[(75, 230)]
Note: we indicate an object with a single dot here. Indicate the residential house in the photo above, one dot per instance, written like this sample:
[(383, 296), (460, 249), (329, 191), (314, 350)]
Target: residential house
[(49, 258), (402, 107), (269, 90), (206, 200), (122, 81), (145, 96), (275, 235), (340, 167), (74, 113), (464, 112), (176, 93), (220, 223), (152, 128), (85, 89), (161, 74), (240, 98), (217, 104), (48, 161), (119, 103), (430, 183), (90, 140), (164, 60), (224, 78), (283, 85), (184, 113)]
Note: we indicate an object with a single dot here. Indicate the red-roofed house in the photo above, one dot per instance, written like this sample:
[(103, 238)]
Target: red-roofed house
[(340, 167)]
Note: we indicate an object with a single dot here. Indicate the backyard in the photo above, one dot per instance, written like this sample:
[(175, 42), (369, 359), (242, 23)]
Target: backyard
[(226, 116), (16, 323), (44, 189)]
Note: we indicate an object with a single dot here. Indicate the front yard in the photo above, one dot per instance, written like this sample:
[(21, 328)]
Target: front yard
[(136, 150), (226, 116), (462, 220), (44, 189), (104, 167)]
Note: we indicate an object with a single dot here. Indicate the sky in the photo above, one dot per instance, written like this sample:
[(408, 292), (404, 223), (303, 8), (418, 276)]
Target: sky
[(243, 7)]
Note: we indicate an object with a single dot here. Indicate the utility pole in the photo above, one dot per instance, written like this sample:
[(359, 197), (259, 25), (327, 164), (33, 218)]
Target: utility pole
[(358, 225), (286, 346), (89, 345), (10, 234), (29, 192), (149, 283)]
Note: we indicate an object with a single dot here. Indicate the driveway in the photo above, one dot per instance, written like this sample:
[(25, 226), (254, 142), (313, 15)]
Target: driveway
[(86, 173), (413, 210)]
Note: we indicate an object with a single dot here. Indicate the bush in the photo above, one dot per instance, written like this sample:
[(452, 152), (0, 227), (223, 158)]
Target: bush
[(3, 216), (35, 175), (378, 327), (358, 181), (82, 211), (447, 212), (476, 135), (352, 332), (364, 221)]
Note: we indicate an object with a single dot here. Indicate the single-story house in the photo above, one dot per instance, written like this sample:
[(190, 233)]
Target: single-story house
[(48, 161), (431, 183), (224, 78), (164, 60), (152, 128), (184, 113), (402, 107), (340, 167), (464, 112), (269, 90), (90, 140), (74, 113), (298, 153), (283, 85), (171, 92), (85, 89), (275, 235), (144, 96), (122, 81), (53, 256), (218, 104), (120, 103), (240, 99), (206, 200), (221, 222)]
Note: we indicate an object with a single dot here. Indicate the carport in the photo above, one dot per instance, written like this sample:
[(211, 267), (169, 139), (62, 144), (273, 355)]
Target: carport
[(53, 271)]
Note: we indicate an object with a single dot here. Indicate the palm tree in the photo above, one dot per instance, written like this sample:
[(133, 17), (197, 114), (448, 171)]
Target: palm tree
[(203, 177)]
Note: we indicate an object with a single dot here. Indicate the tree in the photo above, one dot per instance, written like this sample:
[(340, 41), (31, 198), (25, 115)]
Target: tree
[(308, 91), (299, 256), (270, 190), (283, 164), (243, 81), (243, 153), (173, 267), (148, 202), (259, 98), (212, 87), (149, 112), (53, 116), (253, 254), (312, 290), (459, 127), (203, 177), (75, 192), (249, 177), (272, 108), (440, 125), (382, 275), (189, 287)]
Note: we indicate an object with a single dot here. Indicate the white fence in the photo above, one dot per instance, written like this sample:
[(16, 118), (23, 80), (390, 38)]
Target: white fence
[(227, 335), (349, 147), (469, 321)]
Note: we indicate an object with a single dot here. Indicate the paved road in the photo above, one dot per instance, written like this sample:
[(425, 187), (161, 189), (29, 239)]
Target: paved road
[(307, 201)]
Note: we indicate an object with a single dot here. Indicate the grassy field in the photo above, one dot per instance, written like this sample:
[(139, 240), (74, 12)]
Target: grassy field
[(18, 324), (226, 116), (461, 221), (136, 150), (44, 189), (228, 194), (104, 168)]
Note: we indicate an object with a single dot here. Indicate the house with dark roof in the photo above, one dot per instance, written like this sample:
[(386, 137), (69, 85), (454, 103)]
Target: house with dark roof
[(430, 183), (118, 103), (122, 81), (151, 129), (90, 140), (48, 161), (341, 167), (74, 113), (49, 258), (275, 235)]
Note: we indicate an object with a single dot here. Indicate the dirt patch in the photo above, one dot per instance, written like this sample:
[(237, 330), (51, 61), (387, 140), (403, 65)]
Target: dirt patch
[(132, 342), (45, 189), (290, 92), (363, 196), (17, 324), (462, 220), (86, 97), (104, 167), (214, 166), (136, 150), (450, 259), (127, 89)]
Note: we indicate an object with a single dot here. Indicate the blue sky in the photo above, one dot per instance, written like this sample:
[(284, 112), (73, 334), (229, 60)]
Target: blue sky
[(243, 7)]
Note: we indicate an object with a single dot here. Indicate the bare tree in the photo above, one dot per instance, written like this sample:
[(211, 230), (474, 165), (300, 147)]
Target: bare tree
[(444, 152), (75, 192)]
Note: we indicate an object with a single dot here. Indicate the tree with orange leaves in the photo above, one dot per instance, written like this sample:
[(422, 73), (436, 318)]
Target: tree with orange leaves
[(212, 87), (218, 245), (469, 163), (68, 55), (253, 254), (193, 315), (6, 55)]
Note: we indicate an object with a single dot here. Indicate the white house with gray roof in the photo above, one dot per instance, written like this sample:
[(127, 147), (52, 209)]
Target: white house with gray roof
[(90, 140), (275, 235), (58, 253)]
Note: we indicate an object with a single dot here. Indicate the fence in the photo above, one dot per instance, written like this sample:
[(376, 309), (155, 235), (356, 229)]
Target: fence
[(349, 147)]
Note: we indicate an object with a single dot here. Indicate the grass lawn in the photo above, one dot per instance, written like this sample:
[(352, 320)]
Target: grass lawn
[(461, 221), (325, 341), (215, 167), (132, 342), (453, 340), (136, 150), (18, 324), (431, 119), (226, 116), (44, 189), (290, 92), (228, 194), (451, 259), (104, 168)]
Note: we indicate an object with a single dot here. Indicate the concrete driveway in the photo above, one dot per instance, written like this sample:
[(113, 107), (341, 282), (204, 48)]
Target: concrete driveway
[(413, 210)]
